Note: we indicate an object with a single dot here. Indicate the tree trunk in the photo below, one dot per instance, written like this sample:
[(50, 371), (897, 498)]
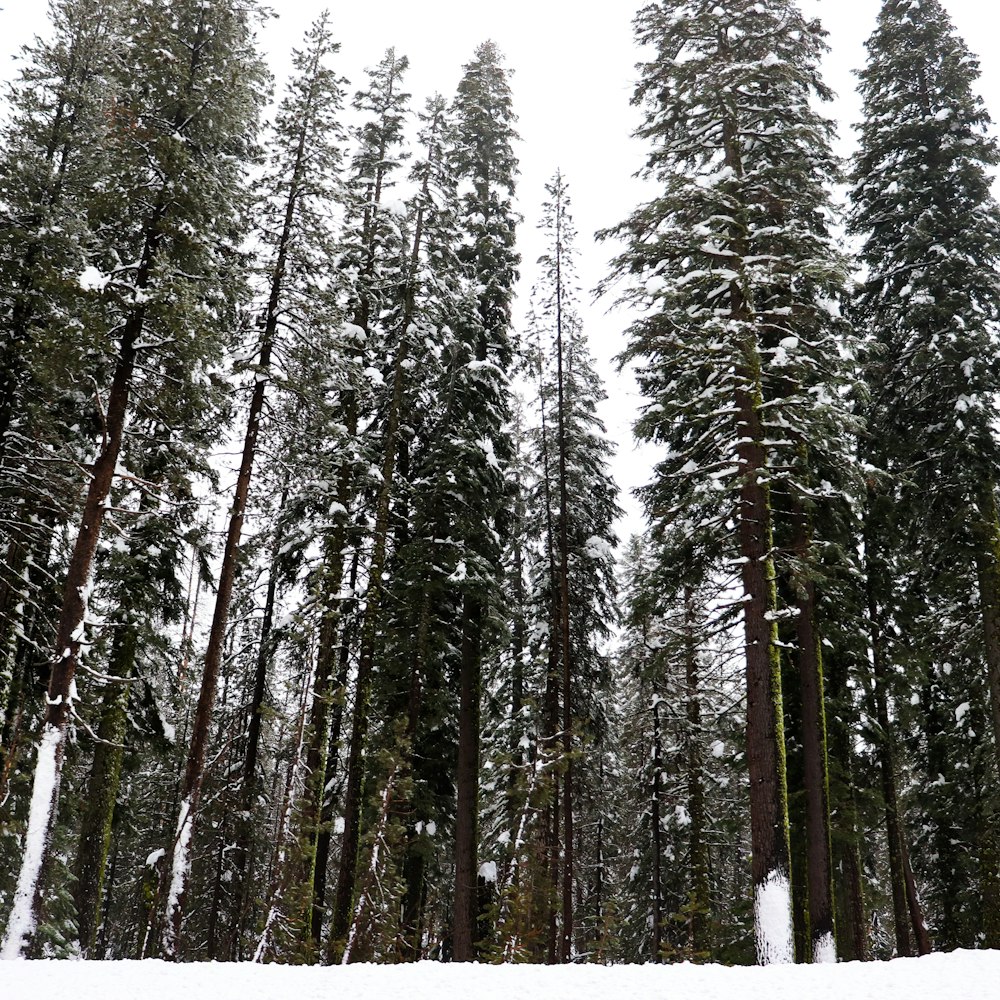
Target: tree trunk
[(699, 901), (102, 790), (353, 799), (907, 913), (814, 756), (852, 937), (325, 835), (194, 771), (318, 740), (765, 727), (988, 569), (250, 784), (465, 908)]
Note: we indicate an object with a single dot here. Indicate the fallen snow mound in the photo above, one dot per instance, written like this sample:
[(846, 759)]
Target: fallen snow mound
[(959, 976)]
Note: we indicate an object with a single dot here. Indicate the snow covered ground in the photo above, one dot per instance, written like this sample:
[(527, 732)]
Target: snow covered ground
[(959, 976)]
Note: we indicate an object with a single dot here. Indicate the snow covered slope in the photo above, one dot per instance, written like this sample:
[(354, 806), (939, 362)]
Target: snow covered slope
[(959, 976)]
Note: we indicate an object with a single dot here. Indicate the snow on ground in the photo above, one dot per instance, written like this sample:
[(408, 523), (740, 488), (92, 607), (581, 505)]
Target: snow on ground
[(958, 976)]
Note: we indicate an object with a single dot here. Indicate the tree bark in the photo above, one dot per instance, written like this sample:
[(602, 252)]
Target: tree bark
[(250, 784), (988, 569), (765, 727), (699, 901), (907, 911), (467, 786), (102, 791), (814, 755), (655, 821)]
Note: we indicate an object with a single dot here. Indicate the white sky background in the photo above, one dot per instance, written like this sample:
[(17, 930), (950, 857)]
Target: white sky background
[(574, 72)]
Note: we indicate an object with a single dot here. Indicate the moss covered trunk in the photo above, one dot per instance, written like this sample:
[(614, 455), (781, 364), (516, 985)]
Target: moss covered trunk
[(102, 790)]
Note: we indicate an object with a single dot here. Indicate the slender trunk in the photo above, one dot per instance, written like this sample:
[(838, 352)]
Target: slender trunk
[(360, 917), (212, 935), (250, 785), (325, 836), (100, 951), (467, 786), (354, 793), (318, 739), (907, 914), (819, 867), (414, 862), (656, 821), (283, 832), (552, 681), (194, 771), (102, 790), (765, 728), (852, 937), (913, 905), (988, 569)]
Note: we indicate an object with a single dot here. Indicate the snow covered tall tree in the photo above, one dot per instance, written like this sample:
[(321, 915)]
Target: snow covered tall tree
[(166, 224), (930, 305), (304, 156), (485, 163), (734, 270), (574, 503)]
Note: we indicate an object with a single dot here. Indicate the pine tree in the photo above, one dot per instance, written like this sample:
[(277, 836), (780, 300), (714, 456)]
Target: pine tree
[(923, 208), (53, 157), (377, 254), (576, 503), (737, 340)]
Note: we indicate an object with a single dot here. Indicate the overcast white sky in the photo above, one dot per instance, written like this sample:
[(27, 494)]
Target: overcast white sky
[(573, 77)]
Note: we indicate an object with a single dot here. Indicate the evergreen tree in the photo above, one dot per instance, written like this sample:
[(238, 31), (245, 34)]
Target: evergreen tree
[(929, 224), (739, 354), (304, 154)]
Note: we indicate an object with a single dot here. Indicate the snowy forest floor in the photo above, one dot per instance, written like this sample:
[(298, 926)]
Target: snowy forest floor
[(958, 976)]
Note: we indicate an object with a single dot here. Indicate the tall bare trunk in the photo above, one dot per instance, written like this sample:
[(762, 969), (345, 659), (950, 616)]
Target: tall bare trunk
[(102, 790), (765, 728), (467, 785), (819, 869)]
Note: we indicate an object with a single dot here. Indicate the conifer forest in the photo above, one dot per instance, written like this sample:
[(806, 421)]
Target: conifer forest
[(321, 640)]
